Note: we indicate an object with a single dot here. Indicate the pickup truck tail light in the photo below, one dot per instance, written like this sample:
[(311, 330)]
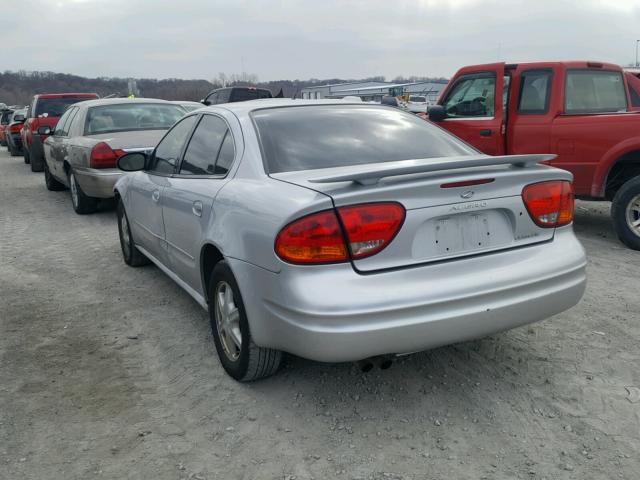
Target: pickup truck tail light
[(550, 204), (102, 156), (332, 236), (15, 128)]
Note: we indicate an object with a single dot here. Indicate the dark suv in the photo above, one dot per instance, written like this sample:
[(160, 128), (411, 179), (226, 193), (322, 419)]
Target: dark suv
[(235, 94), (44, 111)]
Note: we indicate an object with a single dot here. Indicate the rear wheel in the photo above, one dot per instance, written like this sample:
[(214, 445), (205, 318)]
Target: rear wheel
[(82, 204), (625, 212), (241, 358), (52, 184), (27, 158), (131, 255)]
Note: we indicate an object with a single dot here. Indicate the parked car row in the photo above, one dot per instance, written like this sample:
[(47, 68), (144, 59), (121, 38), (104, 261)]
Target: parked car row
[(333, 230)]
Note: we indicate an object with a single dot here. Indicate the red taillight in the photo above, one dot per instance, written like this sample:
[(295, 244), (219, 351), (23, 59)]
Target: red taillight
[(550, 204), (102, 156), (370, 227), (15, 128), (316, 238), (319, 238)]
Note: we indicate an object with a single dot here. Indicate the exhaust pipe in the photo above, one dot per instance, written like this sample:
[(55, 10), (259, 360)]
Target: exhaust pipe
[(383, 363)]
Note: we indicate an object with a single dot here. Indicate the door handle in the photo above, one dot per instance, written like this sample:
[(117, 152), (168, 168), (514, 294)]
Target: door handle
[(155, 196), (486, 132), (197, 208)]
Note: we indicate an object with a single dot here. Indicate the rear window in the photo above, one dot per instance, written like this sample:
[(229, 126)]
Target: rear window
[(131, 116), (417, 99), (310, 137), (55, 107), (594, 91), (242, 94)]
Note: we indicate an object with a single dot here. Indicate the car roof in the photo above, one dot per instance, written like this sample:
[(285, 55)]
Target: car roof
[(65, 95), (243, 108), (543, 64), (120, 101)]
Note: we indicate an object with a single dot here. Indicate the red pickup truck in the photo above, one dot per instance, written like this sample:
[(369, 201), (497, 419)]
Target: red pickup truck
[(587, 113)]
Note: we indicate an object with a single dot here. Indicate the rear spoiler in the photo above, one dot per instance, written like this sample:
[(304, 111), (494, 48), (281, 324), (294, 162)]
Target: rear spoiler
[(370, 174)]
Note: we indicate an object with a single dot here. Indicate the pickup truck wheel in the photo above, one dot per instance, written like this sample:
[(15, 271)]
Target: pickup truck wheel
[(27, 158), (82, 204), (240, 357), (625, 212), (12, 150), (52, 184), (131, 255)]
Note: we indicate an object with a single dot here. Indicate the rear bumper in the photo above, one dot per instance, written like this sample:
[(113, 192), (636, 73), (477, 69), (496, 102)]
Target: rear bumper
[(97, 183), (333, 314)]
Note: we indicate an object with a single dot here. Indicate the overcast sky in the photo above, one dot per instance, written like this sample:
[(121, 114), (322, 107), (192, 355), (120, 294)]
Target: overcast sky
[(308, 38)]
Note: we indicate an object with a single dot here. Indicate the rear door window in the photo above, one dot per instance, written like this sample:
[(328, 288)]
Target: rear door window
[(311, 137), (594, 91), (204, 147), (534, 91), (61, 129), (472, 96)]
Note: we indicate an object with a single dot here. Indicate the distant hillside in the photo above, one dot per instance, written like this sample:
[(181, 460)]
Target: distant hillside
[(17, 88)]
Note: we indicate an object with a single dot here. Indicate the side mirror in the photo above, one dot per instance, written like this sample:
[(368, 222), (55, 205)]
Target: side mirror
[(132, 162), (206, 102), (437, 113), (44, 131)]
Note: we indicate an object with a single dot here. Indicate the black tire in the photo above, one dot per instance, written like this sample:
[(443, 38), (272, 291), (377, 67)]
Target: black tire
[(131, 255), (12, 151), (35, 167), (82, 204), (52, 184), (252, 362), (626, 219), (27, 158)]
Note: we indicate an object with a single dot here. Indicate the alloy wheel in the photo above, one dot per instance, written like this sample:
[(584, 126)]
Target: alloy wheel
[(633, 215), (227, 318)]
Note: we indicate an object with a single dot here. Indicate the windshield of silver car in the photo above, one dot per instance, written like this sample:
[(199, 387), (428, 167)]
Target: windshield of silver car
[(131, 116), (324, 136)]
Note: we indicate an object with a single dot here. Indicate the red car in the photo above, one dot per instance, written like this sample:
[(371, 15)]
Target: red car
[(586, 113), (44, 111)]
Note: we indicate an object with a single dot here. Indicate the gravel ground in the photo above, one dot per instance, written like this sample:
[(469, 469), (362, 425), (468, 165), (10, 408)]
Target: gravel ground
[(110, 372)]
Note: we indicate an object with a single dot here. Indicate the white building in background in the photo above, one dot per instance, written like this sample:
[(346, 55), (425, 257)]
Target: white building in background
[(374, 91)]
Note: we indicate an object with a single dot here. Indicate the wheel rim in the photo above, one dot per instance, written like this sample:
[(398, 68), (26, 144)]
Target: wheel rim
[(124, 228), (228, 321), (74, 190), (633, 215)]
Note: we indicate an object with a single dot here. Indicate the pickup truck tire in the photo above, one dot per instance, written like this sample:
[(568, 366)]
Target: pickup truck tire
[(625, 212), (131, 255), (27, 159), (52, 184), (82, 204), (247, 361)]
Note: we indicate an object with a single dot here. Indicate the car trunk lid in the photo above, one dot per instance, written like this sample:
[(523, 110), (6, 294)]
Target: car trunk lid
[(455, 207)]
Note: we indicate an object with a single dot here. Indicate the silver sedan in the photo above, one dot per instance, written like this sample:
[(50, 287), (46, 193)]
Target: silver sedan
[(341, 232), (82, 150)]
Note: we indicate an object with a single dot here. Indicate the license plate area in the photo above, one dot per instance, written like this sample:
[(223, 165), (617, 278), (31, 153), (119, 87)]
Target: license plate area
[(465, 233)]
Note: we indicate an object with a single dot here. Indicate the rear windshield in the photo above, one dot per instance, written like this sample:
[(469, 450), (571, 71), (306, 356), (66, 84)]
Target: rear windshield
[(242, 94), (55, 107), (131, 116), (417, 99), (310, 137)]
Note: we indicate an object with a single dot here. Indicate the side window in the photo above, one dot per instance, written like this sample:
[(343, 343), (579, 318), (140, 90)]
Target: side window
[(72, 127), (594, 91), (472, 96), (535, 87), (61, 126), (226, 155), (223, 96), (204, 147), (635, 97), (212, 99), (168, 150)]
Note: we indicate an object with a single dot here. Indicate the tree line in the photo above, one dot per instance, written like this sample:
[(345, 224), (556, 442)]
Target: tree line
[(17, 88)]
